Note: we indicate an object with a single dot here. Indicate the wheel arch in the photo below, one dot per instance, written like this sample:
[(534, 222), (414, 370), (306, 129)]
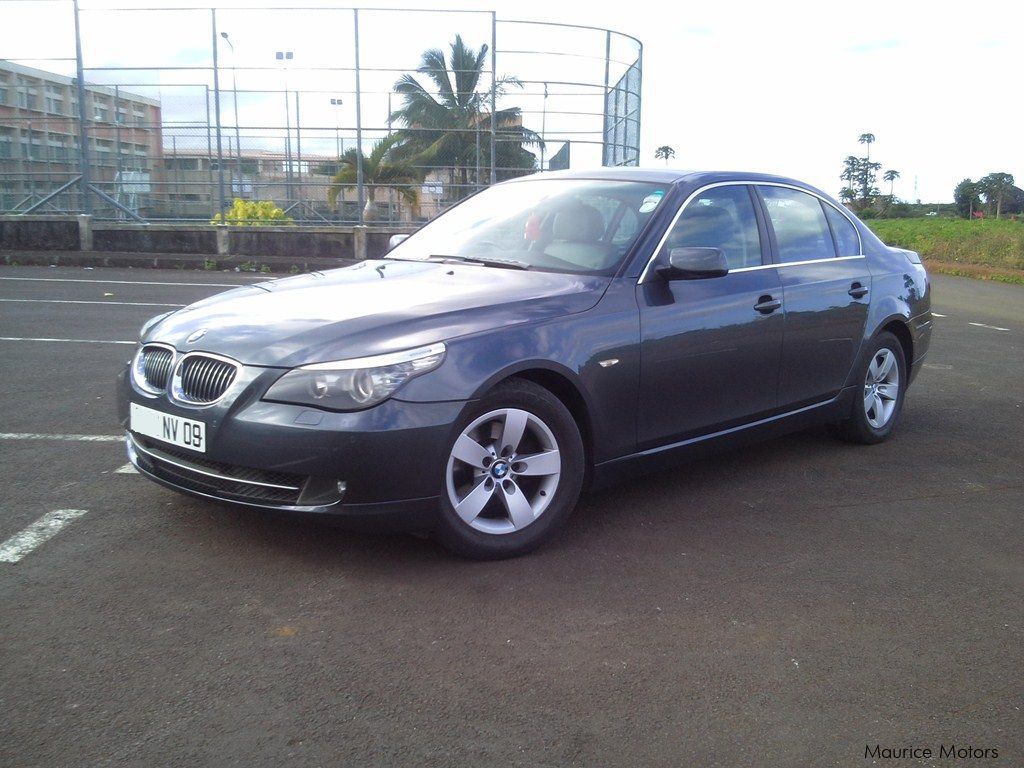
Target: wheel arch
[(564, 385), (899, 327)]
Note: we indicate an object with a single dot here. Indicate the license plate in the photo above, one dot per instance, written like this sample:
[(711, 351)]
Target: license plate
[(170, 429)]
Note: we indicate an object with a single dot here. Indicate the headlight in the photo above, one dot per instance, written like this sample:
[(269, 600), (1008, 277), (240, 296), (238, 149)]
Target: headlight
[(151, 323), (350, 385)]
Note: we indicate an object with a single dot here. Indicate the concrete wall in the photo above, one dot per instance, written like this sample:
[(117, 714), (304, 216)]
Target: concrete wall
[(279, 245), (154, 239), (38, 233)]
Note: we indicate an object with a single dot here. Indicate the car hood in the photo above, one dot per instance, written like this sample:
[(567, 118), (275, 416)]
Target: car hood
[(370, 308)]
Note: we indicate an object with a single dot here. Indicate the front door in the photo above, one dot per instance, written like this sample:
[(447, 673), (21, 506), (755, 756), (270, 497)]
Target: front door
[(710, 348)]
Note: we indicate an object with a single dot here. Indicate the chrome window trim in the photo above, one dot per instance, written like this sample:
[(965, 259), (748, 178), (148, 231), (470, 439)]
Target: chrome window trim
[(174, 393), (747, 183), (140, 383), (795, 263)]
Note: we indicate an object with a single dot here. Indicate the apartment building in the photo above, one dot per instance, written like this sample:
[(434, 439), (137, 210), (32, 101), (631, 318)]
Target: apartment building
[(39, 138)]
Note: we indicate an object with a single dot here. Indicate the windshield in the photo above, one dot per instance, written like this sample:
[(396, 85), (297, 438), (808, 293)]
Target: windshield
[(582, 226)]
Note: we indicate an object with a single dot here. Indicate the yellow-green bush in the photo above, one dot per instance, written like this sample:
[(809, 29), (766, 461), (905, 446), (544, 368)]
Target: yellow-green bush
[(253, 213)]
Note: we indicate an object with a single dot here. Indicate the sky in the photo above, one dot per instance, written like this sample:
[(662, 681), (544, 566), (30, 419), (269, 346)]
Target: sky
[(779, 87)]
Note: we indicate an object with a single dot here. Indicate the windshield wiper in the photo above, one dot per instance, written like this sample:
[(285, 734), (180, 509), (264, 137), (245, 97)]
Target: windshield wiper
[(483, 261)]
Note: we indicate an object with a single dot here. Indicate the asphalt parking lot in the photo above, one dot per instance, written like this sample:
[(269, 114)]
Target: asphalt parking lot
[(783, 605)]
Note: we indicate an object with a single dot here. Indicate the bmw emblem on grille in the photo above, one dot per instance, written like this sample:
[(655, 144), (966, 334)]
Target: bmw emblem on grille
[(195, 335)]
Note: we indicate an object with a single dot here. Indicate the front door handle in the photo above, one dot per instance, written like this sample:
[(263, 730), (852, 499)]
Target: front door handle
[(766, 304), (858, 291)]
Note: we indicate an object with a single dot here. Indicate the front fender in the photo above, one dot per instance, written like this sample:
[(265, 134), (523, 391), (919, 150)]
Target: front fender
[(573, 347)]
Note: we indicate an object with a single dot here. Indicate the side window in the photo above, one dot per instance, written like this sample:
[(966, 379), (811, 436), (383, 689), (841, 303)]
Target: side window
[(801, 231), (724, 218), (846, 234)]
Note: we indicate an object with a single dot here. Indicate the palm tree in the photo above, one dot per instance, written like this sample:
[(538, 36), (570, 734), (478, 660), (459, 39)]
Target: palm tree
[(869, 139), (380, 170), (448, 126), (891, 177), (664, 152)]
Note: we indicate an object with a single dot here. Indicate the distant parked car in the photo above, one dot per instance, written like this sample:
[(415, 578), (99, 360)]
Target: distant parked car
[(551, 333)]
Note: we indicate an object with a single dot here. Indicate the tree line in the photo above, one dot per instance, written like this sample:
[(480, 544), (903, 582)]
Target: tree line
[(994, 193)]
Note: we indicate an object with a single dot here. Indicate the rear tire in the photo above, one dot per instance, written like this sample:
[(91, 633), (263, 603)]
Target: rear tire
[(878, 402), (514, 473)]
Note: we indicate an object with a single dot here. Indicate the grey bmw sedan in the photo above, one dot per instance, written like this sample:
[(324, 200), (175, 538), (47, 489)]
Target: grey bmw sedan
[(545, 336)]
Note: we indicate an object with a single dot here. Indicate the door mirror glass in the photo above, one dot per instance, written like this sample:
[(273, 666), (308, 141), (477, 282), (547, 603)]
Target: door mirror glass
[(395, 240), (693, 263)]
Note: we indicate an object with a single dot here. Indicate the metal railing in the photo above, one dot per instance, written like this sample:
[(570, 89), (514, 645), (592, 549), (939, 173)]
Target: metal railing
[(334, 115)]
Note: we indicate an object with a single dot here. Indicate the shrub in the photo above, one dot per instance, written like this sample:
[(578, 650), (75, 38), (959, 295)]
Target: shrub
[(253, 213)]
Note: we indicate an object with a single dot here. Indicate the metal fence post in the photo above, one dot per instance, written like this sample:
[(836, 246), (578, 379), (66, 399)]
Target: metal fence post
[(605, 153), (83, 134), (298, 150), (360, 191), (494, 97), (216, 110)]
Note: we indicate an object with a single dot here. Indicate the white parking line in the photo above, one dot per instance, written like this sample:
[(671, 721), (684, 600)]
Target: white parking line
[(70, 341), (70, 301), (72, 438), (990, 327), (43, 529), (122, 282), (127, 469), (936, 314)]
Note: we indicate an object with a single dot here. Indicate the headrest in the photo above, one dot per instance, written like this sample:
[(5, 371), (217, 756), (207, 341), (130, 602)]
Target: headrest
[(579, 223)]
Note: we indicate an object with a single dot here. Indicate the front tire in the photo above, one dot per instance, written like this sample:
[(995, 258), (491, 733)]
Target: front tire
[(878, 404), (514, 473)]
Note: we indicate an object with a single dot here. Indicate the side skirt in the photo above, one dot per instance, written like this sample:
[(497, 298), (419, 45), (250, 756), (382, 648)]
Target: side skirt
[(666, 456)]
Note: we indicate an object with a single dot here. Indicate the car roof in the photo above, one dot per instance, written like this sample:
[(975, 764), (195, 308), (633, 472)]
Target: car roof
[(668, 176)]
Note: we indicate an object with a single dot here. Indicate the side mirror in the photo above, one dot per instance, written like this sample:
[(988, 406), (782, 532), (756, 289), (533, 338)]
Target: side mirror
[(395, 240), (692, 264)]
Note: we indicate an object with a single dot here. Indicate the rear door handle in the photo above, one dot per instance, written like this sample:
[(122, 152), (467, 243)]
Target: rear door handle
[(766, 305), (858, 291)]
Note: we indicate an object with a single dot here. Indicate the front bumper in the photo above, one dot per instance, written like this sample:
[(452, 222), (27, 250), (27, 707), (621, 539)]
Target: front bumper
[(385, 462)]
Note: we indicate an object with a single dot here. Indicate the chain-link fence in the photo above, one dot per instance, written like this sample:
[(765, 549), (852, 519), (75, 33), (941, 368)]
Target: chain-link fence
[(328, 115)]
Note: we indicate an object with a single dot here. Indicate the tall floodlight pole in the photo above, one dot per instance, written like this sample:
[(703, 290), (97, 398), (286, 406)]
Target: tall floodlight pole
[(360, 190), (83, 133), (216, 112), (234, 92), (494, 96), (543, 127), (335, 102), (285, 57)]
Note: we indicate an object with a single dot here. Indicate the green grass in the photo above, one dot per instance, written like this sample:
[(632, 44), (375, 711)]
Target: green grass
[(983, 243)]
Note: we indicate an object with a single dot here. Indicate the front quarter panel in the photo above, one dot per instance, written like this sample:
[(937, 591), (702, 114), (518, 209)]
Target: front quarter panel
[(573, 347)]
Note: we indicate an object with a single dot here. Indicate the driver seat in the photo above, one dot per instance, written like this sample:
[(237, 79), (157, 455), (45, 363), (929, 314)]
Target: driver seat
[(576, 238)]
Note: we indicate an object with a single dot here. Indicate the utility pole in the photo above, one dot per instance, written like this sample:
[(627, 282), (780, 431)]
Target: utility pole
[(216, 113), (234, 93), (83, 133)]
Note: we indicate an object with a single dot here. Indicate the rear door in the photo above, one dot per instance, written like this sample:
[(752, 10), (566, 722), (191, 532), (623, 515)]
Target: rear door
[(826, 286), (710, 347)]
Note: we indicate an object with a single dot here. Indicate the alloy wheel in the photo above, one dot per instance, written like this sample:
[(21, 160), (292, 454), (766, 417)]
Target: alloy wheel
[(881, 388), (503, 471)]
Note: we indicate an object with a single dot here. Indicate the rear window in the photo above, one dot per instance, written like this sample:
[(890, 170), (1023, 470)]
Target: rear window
[(801, 231), (847, 240)]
